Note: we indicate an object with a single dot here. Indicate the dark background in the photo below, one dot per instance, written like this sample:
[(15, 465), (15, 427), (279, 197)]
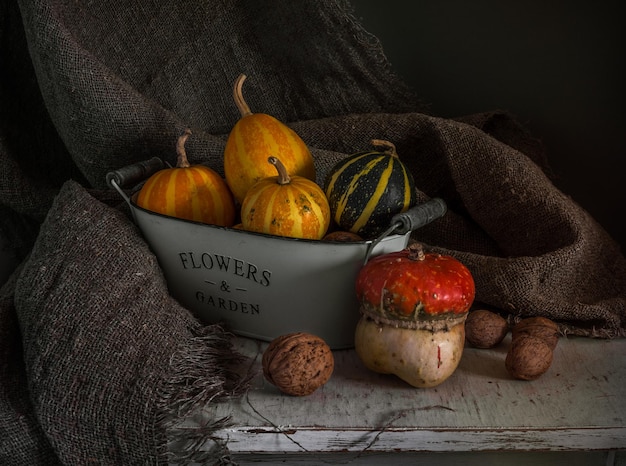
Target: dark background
[(558, 66)]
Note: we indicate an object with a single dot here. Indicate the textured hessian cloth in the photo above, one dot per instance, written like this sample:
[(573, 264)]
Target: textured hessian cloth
[(93, 347), (112, 360)]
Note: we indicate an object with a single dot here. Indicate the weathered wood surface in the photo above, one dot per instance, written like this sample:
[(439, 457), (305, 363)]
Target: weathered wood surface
[(579, 404)]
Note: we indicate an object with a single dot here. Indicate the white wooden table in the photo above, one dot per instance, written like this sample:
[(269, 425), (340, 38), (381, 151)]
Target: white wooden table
[(575, 414)]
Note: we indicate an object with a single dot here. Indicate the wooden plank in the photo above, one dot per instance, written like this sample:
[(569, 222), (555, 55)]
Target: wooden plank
[(440, 459), (580, 404), (292, 440)]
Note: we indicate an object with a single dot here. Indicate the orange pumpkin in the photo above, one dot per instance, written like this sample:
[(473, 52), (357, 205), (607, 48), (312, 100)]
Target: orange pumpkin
[(191, 192), (253, 137), (286, 206)]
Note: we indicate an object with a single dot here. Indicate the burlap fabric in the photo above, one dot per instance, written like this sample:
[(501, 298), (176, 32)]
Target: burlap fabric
[(112, 361), (89, 88)]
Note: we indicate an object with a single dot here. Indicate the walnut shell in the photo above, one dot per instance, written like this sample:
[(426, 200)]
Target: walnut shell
[(342, 236), (539, 327), (485, 329), (298, 363), (528, 358)]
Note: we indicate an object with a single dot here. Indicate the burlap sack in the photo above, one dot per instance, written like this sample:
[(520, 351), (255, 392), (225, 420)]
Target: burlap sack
[(90, 87), (22, 440), (112, 361)]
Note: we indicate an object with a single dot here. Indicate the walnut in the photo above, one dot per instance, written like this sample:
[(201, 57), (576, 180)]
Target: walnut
[(485, 329), (298, 363), (528, 357), (342, 236), (539, 327)]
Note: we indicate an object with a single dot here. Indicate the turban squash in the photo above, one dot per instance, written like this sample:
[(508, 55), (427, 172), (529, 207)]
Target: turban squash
[(413, 308)]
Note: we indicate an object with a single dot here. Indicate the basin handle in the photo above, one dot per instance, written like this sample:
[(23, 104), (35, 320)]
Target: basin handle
[(410, 220), (131, 175)]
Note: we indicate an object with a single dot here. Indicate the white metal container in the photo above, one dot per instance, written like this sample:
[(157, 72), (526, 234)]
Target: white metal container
[(259, 286)]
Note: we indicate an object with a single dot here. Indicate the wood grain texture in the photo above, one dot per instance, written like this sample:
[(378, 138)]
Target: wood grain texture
[(579, 404)]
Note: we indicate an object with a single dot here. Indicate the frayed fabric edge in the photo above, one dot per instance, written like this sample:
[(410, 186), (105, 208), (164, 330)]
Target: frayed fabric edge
[(579, 329), (207, 369)]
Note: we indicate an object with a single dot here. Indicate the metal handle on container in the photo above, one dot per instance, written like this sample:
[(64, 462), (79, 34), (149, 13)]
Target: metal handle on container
[(133, 174), (418, 216), (414, 218)]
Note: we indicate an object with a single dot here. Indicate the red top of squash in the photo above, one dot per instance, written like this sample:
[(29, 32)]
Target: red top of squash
[(410, 285)]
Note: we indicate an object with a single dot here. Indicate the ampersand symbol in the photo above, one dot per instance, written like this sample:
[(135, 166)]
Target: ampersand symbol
[(224, 286)]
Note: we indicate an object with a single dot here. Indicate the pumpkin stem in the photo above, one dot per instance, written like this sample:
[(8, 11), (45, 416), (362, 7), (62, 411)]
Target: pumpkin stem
[(181, 159), (416, 252), (283, 176), (390, 147), (243, 107)]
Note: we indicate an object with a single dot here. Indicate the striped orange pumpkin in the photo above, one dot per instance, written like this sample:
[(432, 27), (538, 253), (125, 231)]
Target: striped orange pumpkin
[(281, 205), (190, 192), (252, 139)]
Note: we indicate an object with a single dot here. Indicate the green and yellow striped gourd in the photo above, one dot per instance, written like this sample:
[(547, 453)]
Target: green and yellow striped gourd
[(366, 189)]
